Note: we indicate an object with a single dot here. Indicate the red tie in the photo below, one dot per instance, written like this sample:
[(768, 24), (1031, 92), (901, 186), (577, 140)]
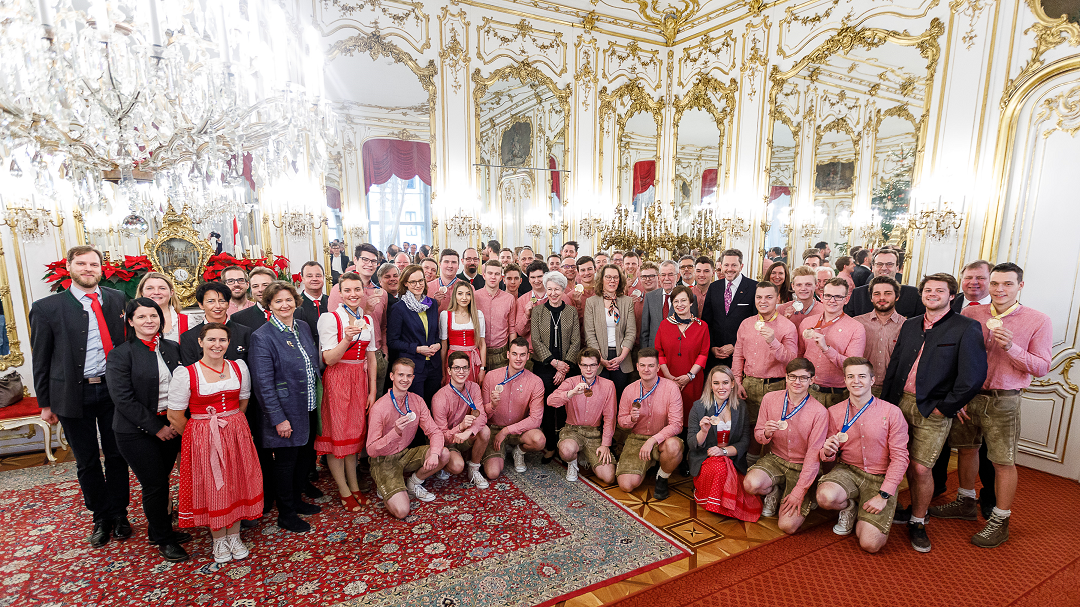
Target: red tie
[(972, 303), (103, 329), (665, 305), (316, 302), (268, 315)]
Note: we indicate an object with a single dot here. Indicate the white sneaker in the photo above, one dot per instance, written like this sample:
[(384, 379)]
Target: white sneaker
[(477, 477), (846, 523), (416, 489), (443, 475), (572, 471), (222, 554), (772, 502), (236, 547), (519, 459)]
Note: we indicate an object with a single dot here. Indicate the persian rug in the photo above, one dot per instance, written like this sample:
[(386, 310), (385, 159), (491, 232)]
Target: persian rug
[(529, 539)]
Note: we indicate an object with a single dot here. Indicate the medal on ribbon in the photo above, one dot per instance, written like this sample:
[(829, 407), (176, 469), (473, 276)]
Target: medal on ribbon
[(785, 415), (842, 436)]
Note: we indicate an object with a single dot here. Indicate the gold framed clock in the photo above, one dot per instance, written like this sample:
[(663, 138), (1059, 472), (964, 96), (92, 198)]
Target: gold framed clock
[(179, 252)]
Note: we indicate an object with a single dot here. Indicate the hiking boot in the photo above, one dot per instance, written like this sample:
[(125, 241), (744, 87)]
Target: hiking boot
[(846, 523), (772, 502), (919, 540), (993, 534), (962, 508), (660, 491)]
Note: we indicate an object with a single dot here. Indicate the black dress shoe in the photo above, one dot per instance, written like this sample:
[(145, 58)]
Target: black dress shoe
[(173, 553), (291, 522), (249, 523), (182, 537), (100, 536), (121, 528), (305, 508), (313, 492), (660, 491)]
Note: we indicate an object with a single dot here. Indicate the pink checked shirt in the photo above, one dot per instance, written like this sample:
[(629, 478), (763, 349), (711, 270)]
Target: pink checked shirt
[(584, 410), (373, 302), (448, 410), (754, 357), (880, 341), (803, 438), (661, 413), (1033, 338), (233, 308), (500, 314), (845, 337), (796, 318), (521, 407), (433, 290), (877, 441), (383, 439)]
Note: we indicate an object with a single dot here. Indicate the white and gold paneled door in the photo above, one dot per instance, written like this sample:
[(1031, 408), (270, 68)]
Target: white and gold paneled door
[(1036, 227)]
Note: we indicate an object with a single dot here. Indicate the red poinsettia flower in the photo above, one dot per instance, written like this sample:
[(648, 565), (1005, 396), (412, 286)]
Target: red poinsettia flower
[(137, 262), (111, 272), (297, 278)]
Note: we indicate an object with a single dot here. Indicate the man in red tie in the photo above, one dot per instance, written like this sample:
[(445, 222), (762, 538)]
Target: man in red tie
[(71, 333)]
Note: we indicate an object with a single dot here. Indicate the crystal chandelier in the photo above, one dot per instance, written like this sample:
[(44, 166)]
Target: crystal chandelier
[(169, 100)]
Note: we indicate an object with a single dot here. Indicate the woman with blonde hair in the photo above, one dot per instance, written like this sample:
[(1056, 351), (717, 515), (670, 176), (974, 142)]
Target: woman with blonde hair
[(161, 289), (461, 329)]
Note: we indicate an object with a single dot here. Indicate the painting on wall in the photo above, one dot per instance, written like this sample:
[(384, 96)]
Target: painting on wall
[(833, 177), (516, 148), (1055, 9)]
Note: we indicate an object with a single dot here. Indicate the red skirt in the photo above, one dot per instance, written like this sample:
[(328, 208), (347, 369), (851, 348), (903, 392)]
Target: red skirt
[(719, 489), (202, 504), (344, 410)]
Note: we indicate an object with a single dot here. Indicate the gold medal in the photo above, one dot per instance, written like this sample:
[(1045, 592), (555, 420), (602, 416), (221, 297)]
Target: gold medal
[(410, 416), (759, 325), (580, 288), (442, 290), (781, 425), (842, 437), (588, 392), (808, 334), (716, 420), (994, 323)]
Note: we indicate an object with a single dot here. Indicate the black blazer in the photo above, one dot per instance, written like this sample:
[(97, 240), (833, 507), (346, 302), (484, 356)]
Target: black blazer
[(861, 275), (132, 377), (723, 326), (251, 317), (190, 353), (952, 368), (405, 331), (58, 333), (908, 305), (310, 315), (739, 439)]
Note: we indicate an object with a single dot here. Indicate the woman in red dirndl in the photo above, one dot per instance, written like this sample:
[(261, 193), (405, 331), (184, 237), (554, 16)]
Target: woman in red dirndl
[(461, 329), (220, 478), (348, 342)]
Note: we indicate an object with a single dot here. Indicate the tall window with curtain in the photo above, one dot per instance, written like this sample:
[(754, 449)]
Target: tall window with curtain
[(397, 177), (644, 192)]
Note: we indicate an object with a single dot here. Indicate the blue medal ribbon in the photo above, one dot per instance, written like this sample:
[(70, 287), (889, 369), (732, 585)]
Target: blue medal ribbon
[(468, 401), (448, 285), (847, 424), (393, 400), (509, 378), (720, 408), (641, 388), (784, 415)]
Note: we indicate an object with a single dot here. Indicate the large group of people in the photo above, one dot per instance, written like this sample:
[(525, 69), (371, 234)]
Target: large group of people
[(811, 388)]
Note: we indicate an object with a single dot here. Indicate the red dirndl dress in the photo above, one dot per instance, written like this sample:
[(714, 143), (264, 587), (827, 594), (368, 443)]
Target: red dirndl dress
[(220, 478), (344, 402), (462, 340), (718, 488)]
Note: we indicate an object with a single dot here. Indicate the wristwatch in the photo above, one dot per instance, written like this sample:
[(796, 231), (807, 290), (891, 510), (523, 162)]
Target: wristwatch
[(724, 449), (884, 495), (691, 375)]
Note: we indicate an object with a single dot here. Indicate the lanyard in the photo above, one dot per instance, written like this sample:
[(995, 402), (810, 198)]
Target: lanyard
[(449, 284), (358, 317), (784, 415), (468, 401), (720, 408), (1011, 309), (821, 324), (774, 314), (393, 400), (509, 378), (847, 412), (641, 389)]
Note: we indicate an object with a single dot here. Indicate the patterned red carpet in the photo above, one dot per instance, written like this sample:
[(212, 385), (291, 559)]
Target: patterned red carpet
[(1038, 566), (530, 539)]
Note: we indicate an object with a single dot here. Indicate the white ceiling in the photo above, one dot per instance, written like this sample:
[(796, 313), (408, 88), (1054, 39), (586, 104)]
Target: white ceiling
[(381, 83)]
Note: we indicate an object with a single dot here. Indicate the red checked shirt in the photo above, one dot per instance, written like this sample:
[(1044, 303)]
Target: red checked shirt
[(1032, 337), (802, 440), (661, 413), (877, 441), (500, 314), (754, 357), (814, 309), (845, 337), (523, 328), (449, 410), (584, 410), (383, 439), (521, 407)]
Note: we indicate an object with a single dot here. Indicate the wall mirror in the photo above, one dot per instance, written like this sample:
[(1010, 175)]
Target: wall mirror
[(895, 143), (630, 126), (784, 147), (702, 119)]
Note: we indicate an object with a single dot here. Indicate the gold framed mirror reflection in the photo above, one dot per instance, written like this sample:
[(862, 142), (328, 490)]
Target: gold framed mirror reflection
[(700, 125), (631, 124), (10, 349)]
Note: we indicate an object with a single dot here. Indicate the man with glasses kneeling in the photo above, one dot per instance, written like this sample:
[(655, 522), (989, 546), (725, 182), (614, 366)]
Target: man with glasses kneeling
[(590, 419)]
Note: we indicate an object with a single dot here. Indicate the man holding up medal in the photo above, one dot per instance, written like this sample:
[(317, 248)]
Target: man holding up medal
[(830, 338), (458, 413), (794, 423), (514, 404), (652, 409), (589, 399), (440, 288), (870, 437), (803, 304), (392, 424)]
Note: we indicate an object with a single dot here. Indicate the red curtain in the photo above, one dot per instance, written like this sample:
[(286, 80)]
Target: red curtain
[(777, 191), (644, 175), (386, 158), (333, 197), (555, 185), (245, 172), (708, 183)]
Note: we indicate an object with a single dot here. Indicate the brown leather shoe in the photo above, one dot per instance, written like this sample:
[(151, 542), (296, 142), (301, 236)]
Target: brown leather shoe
[(963, 508)]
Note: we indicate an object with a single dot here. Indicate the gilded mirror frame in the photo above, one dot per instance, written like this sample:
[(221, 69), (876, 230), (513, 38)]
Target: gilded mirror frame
[(178, 226), (640, 101), (698, 97), (14, 357), (776, 114), (902, 112)]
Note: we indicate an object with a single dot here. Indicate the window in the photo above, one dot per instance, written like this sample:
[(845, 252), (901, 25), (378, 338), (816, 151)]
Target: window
[(415, 220)]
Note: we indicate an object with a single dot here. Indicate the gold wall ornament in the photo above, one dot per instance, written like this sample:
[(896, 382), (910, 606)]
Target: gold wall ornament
[(754, 63), (14, 357), (178, 251), (708, 54), (632, 62), (455, 57), (668, 20), (1064, 366), (376, 45), (520, 41), (1064, 110), (1049, 34), (972, 9)]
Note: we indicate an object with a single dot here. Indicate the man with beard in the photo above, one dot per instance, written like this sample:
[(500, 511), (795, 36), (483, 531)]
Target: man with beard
[(570, 249), (886, 263), (471, 268), (235, 278), (256, 316), (882, 327)]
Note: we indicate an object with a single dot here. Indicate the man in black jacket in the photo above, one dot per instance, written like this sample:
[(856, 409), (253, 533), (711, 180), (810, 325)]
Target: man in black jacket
[(71, 333), (886, 263), (862, 273), (728, 302), (937, 366), (313, 300)]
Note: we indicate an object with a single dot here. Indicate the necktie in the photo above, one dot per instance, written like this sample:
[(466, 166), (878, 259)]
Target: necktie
[(103, 329), (665, 305), (972, 303), (727, 298)]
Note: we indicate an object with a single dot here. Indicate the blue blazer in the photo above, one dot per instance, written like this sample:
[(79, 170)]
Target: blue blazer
[(405, 331), (280, 381)]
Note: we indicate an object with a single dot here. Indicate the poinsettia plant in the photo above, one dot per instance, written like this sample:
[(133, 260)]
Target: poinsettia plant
[(120, 275), (217, 263)]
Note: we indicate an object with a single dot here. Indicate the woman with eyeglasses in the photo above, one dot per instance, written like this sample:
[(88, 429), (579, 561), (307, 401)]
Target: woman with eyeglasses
[(717, 437), (682, 341), (461, 329), (610, 326), (412, 331), (556, 342)]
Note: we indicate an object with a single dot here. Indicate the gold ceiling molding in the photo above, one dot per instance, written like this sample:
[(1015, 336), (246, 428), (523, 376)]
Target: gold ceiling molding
[(632, 62), (1049, 34), (399, 13), (708, 54), (547, 47), (375, 45), (572, 18), (849, 20), (1066, 109), (670, 19)]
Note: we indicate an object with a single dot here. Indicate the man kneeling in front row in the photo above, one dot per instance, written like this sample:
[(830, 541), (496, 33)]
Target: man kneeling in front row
[(392, 424), (651, 408), (590, 402), (514, 404), (870, 437)]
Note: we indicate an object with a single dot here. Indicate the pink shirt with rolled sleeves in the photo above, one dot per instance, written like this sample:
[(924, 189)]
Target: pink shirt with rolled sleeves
[(521, 407), (584, 410), (754, 357), (579, 305), (877, 441), (449, 410), (802, 440), (500, 314), (845, 337), (661, 413), (383, 439), (880, 340), (1032, 337), (909, 383), (377, 298)]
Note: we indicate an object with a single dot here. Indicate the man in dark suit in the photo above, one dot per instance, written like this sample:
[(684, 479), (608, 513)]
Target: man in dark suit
[(71, 333), (656, 307), (938, 365), (313, 301), (728, 302), (862, 273), (213, 299), (255, 316), (908, 304)]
